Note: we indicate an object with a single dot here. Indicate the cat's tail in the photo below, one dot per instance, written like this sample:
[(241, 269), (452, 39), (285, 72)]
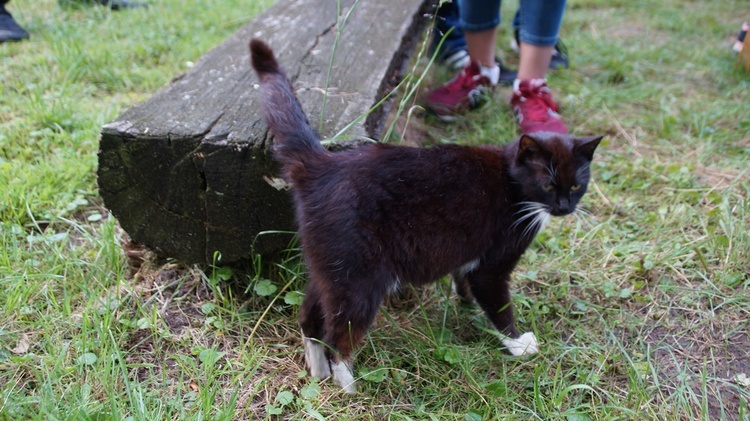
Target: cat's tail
[(295, 141)]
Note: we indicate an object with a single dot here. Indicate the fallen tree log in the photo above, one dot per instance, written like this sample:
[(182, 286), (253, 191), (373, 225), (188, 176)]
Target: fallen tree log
[(188, 172)]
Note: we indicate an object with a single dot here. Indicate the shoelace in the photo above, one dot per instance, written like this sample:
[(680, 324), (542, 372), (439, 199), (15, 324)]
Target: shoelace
[(538, 101), (462, 81)]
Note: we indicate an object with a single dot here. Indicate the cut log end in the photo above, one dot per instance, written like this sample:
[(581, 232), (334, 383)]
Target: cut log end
[(189, 172)]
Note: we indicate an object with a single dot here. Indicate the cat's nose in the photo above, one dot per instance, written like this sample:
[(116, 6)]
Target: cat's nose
[(563, 208)]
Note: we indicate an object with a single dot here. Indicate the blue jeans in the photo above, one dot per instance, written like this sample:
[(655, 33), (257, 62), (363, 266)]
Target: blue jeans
[(538, 21), (447, 24)]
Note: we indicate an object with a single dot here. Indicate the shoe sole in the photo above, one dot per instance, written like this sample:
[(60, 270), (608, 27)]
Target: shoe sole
[(479, 100)]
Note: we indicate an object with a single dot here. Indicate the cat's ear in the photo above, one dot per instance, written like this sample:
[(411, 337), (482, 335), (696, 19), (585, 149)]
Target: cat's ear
[(585, 146), (528, 148)]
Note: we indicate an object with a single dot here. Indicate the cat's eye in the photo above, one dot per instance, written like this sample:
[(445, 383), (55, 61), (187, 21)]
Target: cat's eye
[(548, 187), (575, 187)]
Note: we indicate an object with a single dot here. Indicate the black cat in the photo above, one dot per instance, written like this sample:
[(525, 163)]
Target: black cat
[(380, 215)]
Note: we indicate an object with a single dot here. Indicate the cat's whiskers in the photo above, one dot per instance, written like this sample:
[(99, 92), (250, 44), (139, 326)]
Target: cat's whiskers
[(531, 209), (538, 215), (584, 216), (584, 210), (540, 220)]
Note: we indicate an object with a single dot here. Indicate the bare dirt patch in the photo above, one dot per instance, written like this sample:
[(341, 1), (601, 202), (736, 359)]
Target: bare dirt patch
[(706, 355), (251, 371)]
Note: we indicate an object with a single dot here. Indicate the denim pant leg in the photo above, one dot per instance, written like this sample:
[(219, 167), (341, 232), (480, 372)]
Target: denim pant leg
[(479, 15), (448, 18), (540, 21)]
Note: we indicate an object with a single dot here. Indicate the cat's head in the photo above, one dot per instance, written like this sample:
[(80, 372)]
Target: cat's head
[(552, 170)]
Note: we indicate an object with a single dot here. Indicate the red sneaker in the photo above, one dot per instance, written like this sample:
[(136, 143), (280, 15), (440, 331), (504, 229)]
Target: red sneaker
[(534, 108), (462, 93)]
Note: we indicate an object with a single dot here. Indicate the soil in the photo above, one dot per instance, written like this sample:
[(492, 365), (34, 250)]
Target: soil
[(707, 357)]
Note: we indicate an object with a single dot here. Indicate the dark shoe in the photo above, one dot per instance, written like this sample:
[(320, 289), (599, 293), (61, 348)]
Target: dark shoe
[(456, 60), (559, 55), (507, 75), (9, 29), (122, 4), (448, 44), (535, 109), (739, 43), (112, 4), (464, 92)]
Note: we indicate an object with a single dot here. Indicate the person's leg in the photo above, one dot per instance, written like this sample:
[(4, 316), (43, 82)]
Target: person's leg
[(9, 29), (539, 26), (447, 38), (532, 101), (481, 46), (534, 61), (478, 20), (453, 51), (471, 27), (559, 54)]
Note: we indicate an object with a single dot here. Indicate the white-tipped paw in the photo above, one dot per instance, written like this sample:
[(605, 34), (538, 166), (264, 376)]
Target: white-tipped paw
[(523, 345), (342, 376), (316, 358)]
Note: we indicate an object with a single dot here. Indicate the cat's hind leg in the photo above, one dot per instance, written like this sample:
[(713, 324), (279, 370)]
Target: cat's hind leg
[(349, 314), (460, 284), (311, 322)]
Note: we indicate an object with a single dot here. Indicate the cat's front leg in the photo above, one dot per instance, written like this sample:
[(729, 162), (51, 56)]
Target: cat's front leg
[(525, 344), (492, 293)]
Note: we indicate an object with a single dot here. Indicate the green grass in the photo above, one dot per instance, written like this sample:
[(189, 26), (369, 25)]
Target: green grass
[(642, 308)]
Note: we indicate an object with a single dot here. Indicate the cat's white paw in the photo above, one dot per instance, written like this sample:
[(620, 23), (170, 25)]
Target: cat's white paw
[(342, 376), (525, 344), (315, 356)]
